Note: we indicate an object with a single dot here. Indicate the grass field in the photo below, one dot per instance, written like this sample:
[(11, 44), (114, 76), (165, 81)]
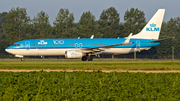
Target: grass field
[(89, 86), (96, 64), (95, 85)]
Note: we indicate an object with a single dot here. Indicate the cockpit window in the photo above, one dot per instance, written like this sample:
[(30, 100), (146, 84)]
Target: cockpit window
[(15, 45)]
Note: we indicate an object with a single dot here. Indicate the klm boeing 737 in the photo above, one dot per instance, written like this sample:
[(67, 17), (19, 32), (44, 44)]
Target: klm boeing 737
[(87, 48)]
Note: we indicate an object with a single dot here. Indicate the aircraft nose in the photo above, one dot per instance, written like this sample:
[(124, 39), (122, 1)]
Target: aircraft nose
[(7, 50)]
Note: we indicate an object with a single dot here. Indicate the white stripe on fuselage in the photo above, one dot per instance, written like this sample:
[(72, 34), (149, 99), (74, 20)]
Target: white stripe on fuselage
[(56, 52)]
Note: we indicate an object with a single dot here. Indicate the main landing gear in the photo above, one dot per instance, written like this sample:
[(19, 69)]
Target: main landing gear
[(89, 58), (84, 58)]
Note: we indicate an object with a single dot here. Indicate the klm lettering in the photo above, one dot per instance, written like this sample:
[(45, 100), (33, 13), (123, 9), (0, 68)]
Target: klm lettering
[(152, 29)]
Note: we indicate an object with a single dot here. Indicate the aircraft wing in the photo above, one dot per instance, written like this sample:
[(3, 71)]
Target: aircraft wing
[(104, 47)]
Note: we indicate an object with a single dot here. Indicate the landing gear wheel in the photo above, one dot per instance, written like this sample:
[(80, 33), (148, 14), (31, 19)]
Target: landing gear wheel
[(84, 58), (90, 58), (22, 59)]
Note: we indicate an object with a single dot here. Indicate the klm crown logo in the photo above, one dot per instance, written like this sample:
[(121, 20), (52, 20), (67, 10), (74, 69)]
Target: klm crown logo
[(73, 53), (152, 27), (42, 42)]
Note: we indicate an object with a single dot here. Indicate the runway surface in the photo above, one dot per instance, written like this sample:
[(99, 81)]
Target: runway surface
[(106, 71)]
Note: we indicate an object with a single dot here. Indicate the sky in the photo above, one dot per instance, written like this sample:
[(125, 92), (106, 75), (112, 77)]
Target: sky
[(77, 7)]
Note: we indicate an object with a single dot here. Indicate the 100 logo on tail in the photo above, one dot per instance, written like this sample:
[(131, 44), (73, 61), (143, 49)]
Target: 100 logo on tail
[(152, 27)]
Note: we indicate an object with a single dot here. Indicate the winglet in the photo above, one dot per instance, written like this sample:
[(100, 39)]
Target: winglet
[(92, 37), (127, 39)]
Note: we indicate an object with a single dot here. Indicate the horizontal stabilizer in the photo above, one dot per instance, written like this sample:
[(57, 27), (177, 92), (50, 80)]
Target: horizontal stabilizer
[(161, 39)]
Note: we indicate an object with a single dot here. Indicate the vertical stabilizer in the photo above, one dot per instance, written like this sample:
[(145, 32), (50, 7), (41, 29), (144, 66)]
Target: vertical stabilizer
[(153, 27)]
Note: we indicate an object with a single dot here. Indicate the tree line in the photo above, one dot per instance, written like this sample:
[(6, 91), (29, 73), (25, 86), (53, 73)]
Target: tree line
[(16, 25)]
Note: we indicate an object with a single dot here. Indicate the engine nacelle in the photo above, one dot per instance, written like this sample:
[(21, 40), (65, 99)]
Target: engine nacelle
[(73, 54)]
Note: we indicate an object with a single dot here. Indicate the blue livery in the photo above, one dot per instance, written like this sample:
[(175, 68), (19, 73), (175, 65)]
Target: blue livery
[(86, 49)]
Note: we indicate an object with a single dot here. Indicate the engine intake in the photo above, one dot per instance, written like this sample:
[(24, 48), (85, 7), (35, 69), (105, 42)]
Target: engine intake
[(73, 54)]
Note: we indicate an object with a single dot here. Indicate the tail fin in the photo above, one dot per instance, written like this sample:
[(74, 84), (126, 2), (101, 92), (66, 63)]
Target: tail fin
[(153, 27)]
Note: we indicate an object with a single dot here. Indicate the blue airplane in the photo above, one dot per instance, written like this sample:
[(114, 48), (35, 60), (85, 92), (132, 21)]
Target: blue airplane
[(87, 48)]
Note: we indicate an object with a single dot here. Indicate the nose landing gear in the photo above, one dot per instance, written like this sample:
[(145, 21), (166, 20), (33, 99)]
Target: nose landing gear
[(22, 59)]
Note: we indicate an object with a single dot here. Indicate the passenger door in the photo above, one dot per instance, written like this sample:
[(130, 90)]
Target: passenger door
[(27, 45)]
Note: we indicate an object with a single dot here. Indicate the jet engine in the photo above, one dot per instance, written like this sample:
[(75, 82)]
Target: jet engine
[(73, 54)]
